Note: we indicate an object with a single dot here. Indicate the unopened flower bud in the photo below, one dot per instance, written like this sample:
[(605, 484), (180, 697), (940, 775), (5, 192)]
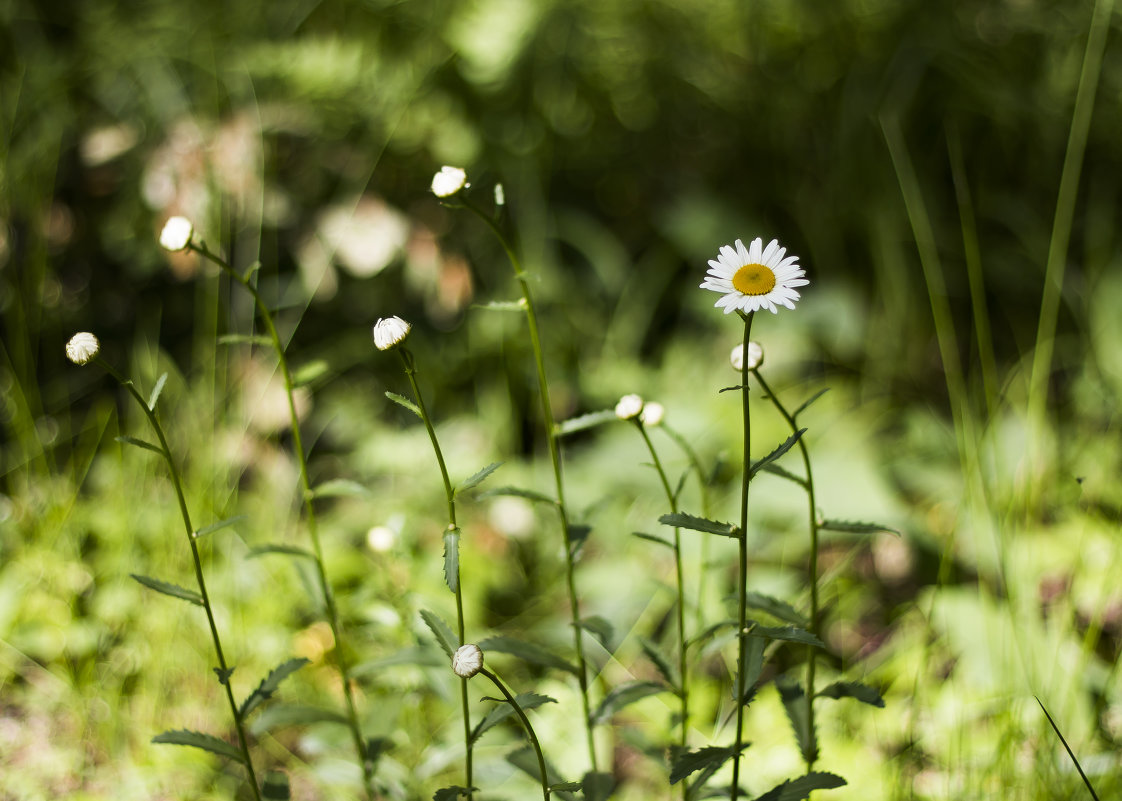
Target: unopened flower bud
[(177, 234), (652, 413), (390, 332), (467, 661), (82, 347), (629, 407), (449, 181), (755, 356)]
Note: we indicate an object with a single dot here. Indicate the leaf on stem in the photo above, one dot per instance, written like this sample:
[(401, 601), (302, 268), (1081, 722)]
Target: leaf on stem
[(477, 479), (174, 590), (584, 422), (687, 762), (753, 667), (797, 705), (244, 339), (504, 710), (662, 663), (801, 788), (852, 689), (518, 492), (599, 628), (527, 761), (570, 786), (452, 559), (623, 695), (597, 786), (197, 739), (127, 440), (808, 401), (856, 527), (288, 550), (294, 715), (401, 400), (442, 631), (775, 454), (270, 683), (339, 487), (776, 608), (578, 534), (776, 470), (694, 523), (275, 786), (787, 633), (502, 305), (527, 652), (310, 372), (652, 538), (156, 390), (221, 524), (452, 793)]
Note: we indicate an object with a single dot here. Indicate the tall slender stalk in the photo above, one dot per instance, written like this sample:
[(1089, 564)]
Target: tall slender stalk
[(310, 514), (742, 574), (510, 699)]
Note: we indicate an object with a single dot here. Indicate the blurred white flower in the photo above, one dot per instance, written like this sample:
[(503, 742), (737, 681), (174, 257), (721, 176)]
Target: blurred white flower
[(629, 407), (755, 277), (449, 181), (467, 661), (652, 413), (755, 356), (380, 538), (176, 235), (500, 196), (390, 332), (82, 347)]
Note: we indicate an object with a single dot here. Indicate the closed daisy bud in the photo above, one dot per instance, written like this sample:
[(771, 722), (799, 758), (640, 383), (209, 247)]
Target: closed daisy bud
[(755, 356), (449, 181), (82, 347), (177, 234), (629, 407), (390, 332), (467, 661), (652, 414)]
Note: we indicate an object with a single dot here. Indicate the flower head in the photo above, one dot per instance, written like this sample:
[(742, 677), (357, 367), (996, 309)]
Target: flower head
[(177, 234), (755, 356), (467, 661), (500, 195), (629, 407), (82, 347), (755, 277), (449, 181), (652, 413), (390, 332)]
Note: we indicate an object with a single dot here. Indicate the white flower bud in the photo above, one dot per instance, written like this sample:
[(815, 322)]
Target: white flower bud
[(82, 347), (467, 661), (177, 234), (755, 356), (629, 407), (390, 332), (652, 414), (449, 181), (500, 195)]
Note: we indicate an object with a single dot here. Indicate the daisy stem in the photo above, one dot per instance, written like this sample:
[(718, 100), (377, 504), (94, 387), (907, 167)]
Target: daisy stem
[(742, 578), (684, 691), (526, 725), (223, 670), (812, 651), (453, 529), (310, 513), (555, 457)]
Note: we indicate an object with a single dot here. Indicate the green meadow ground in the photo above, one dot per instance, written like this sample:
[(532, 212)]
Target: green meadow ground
[(914, 156)]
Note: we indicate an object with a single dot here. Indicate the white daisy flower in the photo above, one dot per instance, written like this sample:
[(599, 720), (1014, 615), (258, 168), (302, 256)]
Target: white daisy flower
[(449, 181), (755, 277), (755, 356), (177, 234), (652, 413), (82, 347), (467, 661), (629, 407), (390, 331)]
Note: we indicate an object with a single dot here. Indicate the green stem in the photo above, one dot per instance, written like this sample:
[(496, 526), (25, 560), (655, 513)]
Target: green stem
[(555, 458), (742, 576), (309, 510), (526, 725), (224, 670), (411, 372), (812, 652)]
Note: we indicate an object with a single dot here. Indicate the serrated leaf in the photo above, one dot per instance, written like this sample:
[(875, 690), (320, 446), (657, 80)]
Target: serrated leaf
[(452, 793), (806, 404), (197, 739), (270, 683), (287, 550), (504, 710), (275, 786), (708, 632), (852, 689), (711, 757), (778, 452), (339, 487), (221, 524), (597, 786), (585, 422), (797, 706), (294, 715), (787, 633), (174, 590), (600, 628), (652, 538), (753, 667), (442, 631), (776, 470), (309, 372), (776, 608), (502, 305), (477, 479), (662, 663), (527, 652), (694, 523), (244, 339), (624, 695), (452, 559), (156, 390), (518, 492), (127, 440), (403, 401), (855, 527), (801, 788)]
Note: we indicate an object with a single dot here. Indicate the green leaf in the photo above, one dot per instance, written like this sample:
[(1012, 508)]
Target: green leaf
[(853, 527), (801, 788), (452, 793), (441, 630), (683, 520), (477, 479), (174, 590), (527, 652), (584, 422), (652, 538), (797, 706), (310, 372), (808, 401), (713, 756), (127, 440), (578, 534), (527, 761), (504, 710), (776, 470), (197, 739), (275, 787), (221, 524), (270, 683), (338, 487), (776, 608), (600, 628), (278, 715), (502, 305), (597, 786), (624, 695), (662, 663), (224, 674), (452, 559), (852, 689), (401, 400), (787, 633), (156, 390), (288, 550), (778, 452), (247, 339), (518, 492), (423, 656), (753, 667), (553, 788)]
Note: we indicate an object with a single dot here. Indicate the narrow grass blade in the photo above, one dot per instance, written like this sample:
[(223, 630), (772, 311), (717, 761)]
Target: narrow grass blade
[(174, 590), (156, 390), (1067, 747), (127, 440), (585, 422)]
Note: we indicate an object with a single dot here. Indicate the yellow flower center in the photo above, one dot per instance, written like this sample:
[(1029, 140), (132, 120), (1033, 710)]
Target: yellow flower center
[(754, 279)]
